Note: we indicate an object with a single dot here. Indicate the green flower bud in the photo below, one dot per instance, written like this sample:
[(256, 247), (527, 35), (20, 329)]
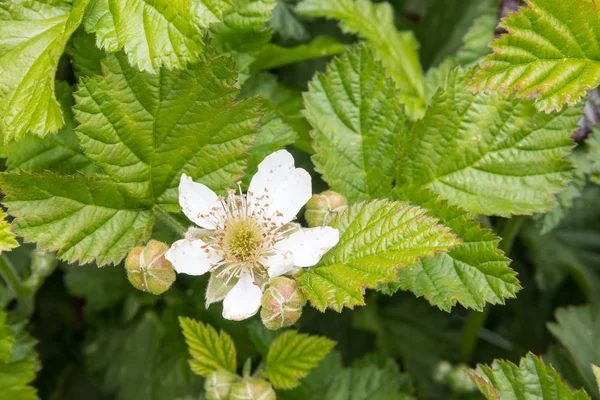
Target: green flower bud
[(459, 381), (218, 384), (252, 389), (321, 208), (147, 268), (281, 303)]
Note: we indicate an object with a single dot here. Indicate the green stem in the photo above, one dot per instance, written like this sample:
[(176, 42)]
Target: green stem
[(508, 231), (170, 221), (13, 280)]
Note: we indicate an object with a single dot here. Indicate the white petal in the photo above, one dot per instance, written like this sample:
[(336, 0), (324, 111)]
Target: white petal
[(308, 245), (190, 257), (195, 200), (243, 301), (282, 186), (280, 262)]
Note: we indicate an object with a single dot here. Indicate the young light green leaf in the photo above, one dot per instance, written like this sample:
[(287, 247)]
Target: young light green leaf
[(377, 238), (242, 33), (358, 124), (472, 274), (274, 56), (396, 50), (83, 219), (578, 329), (291, 357), (177, 121), (486, 153), (530, 379), (210, 350), (36, 33), (18, 362), (597, 375), (8, 240), (154, 34), (60, 152), (552, 51)]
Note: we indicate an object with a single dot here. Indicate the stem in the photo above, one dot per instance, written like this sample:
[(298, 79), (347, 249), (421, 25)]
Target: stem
[(170, 221), (508, 231), (13, 280)]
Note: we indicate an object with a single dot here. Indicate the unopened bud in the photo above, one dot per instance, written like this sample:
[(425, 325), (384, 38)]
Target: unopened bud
[(218, 384), (281, 303), (453, 376), (321, 208), (252, 389), (147, 268)]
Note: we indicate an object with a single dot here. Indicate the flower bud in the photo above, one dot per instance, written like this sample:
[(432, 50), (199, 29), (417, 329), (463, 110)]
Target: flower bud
[(321, 208), (281, 303), (147, 268), (252, 389), (218, 384)]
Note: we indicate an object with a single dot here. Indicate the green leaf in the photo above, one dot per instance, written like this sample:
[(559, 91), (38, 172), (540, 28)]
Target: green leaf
[(358, 123), (578, 329), (242, 33), (83, 219), (377, 238), (586, 160), (414, 332), (177, 121), (597, 375), (374, 23), (101, 288), (367, 379), (187, 121), (273, 135), (552, 52), (18, 362), (286, 24), (472, 274), (210, 350), (274, 56), (486, 153), (154, 34), (572, 248), (291, 357), (36, 33), (441, 30), (8, 239), (287, 101), (531, 379), (145, 359), (476, 42), (86, 57), (60, 152)]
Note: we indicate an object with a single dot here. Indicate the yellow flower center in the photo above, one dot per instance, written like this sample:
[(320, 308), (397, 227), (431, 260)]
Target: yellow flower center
[(242, 239)]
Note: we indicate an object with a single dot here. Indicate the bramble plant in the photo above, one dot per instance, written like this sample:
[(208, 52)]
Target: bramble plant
[(300, 199)]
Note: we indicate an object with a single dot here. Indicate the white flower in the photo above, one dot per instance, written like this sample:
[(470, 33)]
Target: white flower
[(249, 238)]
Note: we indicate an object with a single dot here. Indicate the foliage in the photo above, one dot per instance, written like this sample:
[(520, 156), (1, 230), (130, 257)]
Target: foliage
[(460, 140)]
